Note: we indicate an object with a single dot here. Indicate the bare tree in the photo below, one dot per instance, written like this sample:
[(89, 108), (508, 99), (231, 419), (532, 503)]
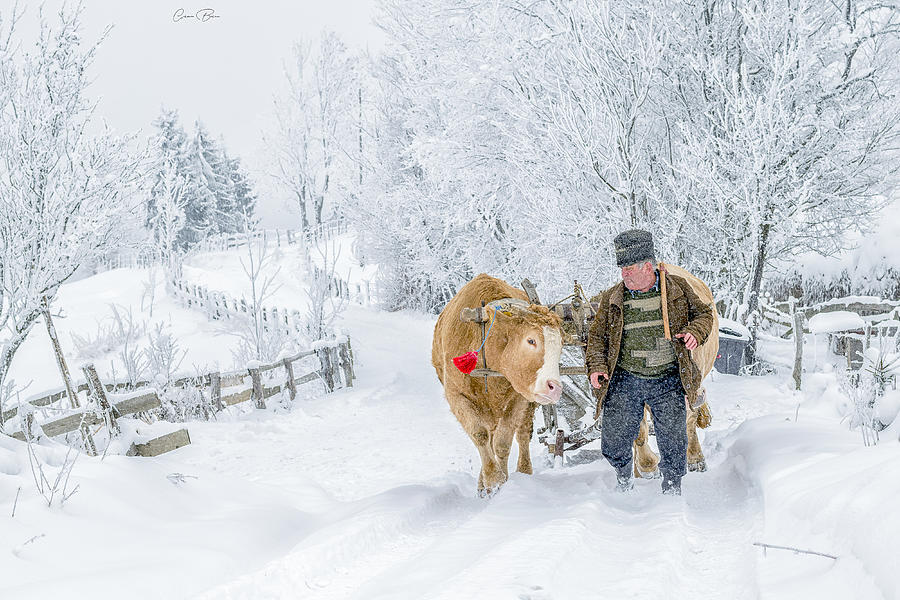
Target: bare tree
[(64, 191), (313, 126)]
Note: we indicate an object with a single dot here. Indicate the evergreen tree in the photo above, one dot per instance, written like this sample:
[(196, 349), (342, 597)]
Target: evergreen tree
[(171, 149)]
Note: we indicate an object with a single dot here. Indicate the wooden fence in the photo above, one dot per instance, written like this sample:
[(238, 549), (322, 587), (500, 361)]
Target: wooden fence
[(219, 306), (221, 390), (278, 237), (879, 317)]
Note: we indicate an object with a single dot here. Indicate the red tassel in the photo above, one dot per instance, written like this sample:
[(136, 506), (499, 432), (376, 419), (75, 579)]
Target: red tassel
[(466, 362)]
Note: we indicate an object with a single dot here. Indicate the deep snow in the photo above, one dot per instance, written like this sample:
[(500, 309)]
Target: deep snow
[(369, 493)]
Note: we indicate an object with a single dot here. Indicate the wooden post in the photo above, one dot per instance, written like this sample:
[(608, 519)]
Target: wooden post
[(257, 388), (797, 318), (326, 372), (558, 448), (531, 291), (215, 387), (57, 350), (334, 362), (289, 369), (99, 394), (347, 363)]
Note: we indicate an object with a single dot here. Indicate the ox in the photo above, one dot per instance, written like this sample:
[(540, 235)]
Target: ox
[(524, 343)]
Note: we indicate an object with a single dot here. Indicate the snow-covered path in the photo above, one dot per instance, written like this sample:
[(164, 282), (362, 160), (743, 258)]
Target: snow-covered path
[(392, 477)]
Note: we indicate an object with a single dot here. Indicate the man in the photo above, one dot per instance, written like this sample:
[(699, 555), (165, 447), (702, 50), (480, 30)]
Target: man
[(632, 362)]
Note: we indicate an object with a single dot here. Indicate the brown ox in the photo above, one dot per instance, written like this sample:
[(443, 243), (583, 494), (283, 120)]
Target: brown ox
[(523, 343), (646, 461)]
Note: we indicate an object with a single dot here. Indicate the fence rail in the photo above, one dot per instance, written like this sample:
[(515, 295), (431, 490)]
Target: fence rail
[(335, 370)]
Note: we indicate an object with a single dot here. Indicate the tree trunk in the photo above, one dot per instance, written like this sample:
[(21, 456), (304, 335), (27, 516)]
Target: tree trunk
[(753, 316)]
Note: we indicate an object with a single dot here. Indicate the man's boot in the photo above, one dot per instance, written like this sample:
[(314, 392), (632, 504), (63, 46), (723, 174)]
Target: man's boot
[(671, 486), (624, 480)]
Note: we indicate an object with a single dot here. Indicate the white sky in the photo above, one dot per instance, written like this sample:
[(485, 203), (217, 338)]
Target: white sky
[(223, 71)]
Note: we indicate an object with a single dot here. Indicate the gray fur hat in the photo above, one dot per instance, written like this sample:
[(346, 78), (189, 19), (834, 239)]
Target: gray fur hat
[(633, 246)]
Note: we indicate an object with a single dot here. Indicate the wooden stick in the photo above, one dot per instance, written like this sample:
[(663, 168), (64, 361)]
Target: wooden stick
[(795, 550), (665, 306)]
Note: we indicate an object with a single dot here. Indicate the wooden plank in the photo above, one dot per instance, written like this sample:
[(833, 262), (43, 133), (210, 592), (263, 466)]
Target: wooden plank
[(300, 355), (161, 445), (69, 423), (237, 398), (307, 378), (268, 392), (473, 315), (227, 381), (485, 373), (265, 368), (136, 404)]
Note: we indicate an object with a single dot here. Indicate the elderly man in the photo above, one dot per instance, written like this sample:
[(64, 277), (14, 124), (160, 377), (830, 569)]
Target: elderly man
[(633, 360)]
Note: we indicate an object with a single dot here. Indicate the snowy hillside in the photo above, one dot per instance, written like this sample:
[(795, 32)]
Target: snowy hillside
[(369, 492)]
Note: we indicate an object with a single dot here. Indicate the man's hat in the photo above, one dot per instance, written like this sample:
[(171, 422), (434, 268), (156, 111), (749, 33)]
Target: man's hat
[(633, 246)]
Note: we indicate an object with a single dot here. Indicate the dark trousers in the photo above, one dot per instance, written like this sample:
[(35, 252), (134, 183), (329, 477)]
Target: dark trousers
[(623, 409)]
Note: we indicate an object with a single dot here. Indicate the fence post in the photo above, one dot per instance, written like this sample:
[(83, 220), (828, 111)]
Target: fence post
[(797, 318), (335, 364), (257, 388), (291, 386), (215, 390), (326, 370), (99, 393), (347, 363)]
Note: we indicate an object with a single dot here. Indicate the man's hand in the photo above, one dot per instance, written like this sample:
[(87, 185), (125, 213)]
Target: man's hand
[(595, 379), (689, 340)]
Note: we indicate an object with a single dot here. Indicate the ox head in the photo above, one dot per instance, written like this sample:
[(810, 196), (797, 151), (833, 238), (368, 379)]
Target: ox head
[(527, 343)]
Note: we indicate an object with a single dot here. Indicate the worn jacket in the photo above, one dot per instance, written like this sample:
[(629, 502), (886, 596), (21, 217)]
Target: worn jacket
[(687, 314)]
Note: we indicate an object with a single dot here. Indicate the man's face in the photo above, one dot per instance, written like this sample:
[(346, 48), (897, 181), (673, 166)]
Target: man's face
[(640, 276)]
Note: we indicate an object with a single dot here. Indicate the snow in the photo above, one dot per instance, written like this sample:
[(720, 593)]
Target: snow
[(733, 327), (839, 320), (369, 492)]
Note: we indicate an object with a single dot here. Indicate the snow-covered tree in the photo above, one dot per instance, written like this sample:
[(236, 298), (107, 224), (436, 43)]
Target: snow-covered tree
[(169, 204), (215, 188), (64, 191), (314, 132)]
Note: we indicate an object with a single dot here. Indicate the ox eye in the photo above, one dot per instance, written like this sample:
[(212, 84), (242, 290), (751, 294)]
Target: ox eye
[(532, 342)]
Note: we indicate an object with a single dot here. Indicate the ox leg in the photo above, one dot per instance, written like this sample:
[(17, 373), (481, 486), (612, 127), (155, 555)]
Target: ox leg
[(523, 438), (646, 461), (695, 459), (518, 411), (477, 426)]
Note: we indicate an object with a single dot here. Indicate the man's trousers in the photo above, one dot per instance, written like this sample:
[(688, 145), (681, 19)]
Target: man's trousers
[(623, 409)]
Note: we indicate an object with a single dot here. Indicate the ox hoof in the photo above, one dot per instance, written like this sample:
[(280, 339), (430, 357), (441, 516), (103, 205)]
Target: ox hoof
[(697, 467), (654, 474)]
